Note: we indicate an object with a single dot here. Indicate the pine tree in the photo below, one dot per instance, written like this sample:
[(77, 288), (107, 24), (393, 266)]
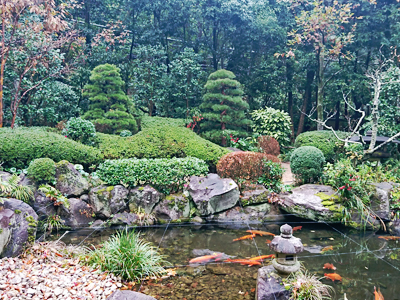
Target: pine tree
[(223, 107), (108, 107)]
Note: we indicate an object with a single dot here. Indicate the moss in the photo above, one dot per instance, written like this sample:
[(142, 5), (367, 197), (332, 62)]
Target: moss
[(62, 163), (100, 191), (17, 211), (1, 230), (327, 203), (141, 188), (324, 196), (109, 188)]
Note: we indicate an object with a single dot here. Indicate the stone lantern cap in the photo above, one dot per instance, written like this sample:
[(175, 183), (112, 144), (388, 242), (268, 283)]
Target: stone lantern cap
[(286, 243)]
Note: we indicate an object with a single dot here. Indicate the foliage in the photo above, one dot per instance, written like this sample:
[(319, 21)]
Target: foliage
[(307, 163), (151, 122), (12, 189), (325, 141), (272, 122), (80, 130), (272, 176), (42, 170), (161, 142), (245, 144), (166, 175), (306, 286), (244, 166), (223, 107), (269, 145), (125, 133), (109, 106), (52, 222), (20, 146), (128, 256), (54, 195)]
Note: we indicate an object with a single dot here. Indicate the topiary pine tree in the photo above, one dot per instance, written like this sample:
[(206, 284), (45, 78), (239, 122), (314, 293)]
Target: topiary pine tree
[(223, 107), (108, 107)]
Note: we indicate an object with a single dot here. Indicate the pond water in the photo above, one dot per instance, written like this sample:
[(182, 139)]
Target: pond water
[(362, 259)]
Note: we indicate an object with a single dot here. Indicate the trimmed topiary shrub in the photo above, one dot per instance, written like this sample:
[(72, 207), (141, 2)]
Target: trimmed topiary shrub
[(151, 122), (325, 141), (20, 146), (307, 164), (269, 145), (244, 166), (166, 175), (42, 170), (80, 130), (161, 142)]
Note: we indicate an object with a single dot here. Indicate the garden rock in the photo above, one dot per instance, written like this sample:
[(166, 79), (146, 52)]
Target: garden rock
[(5, 176), (212, 194), (173, 207), (6, 217), (311, 201), (124, 218), (43, 206), (380, 202), (108, 200), (69, 181), (79, 214), (270, 286), (129, 295), (255, 196), (144, 197), (22, 225)]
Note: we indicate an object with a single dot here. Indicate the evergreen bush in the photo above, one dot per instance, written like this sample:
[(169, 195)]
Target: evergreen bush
[(80, 130), (109, 106), (307, 164), (42, 170), (125, 133), (223, 107)]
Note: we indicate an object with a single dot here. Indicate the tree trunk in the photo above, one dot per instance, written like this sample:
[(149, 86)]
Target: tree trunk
[(289, 78), (306, 99), (375, 113), (337, 116), (214, 50), (320, 100), (3, 61)]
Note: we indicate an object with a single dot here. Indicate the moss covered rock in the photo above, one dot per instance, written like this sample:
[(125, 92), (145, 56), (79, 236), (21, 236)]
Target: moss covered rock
[(108, 200), (69, 181)]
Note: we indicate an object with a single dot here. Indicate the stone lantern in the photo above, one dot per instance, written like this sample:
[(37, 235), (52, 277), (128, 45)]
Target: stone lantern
[(286, 248)]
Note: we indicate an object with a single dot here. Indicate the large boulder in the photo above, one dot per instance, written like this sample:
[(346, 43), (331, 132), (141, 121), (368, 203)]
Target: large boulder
[(212, 194), (108, 200), (6, 218), (259, 194), (124, 218), (43, 206), (5, 175), (312, 201), (173, 208), (270, 286), (380, 202), (128, 295), (69, 181), (78, 215), (22, 225), (144, 197)]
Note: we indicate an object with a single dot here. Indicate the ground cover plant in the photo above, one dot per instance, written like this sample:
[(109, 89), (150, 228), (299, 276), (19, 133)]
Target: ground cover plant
[(10, 188)]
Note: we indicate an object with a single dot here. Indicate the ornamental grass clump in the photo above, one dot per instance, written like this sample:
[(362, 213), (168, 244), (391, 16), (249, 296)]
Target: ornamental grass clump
[(306, 286), (128, 256)]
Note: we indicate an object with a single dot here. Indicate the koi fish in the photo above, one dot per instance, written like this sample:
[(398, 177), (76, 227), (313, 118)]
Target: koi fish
[(297, 228), (262, 257), (389, 238), (204, 259), (378, 294), (244, 262), (333, 276), (327, 248), (268, 241), (259, 232), (246, 237), (329, 267)]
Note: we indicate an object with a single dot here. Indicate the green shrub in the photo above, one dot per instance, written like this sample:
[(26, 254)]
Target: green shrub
[(128, 256), (161, 142), (151, 122), (42, 170), (12, 189), (20, 146), (80, 130), (307, 163), (272, 122), (166, 175), (325, 141), (272, 177), (125, 133)]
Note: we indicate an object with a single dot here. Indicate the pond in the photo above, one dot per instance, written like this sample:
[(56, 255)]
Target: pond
[(362, 258)]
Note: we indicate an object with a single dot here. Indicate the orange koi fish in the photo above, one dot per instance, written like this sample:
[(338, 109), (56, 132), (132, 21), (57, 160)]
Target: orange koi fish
[(378, 294), (262, 257), (333, 276), (329, 267), (327, 248), (246, 237), (297, 228), (244, 262), (268, 241), (389, 238), (260, 232), (204, 259)]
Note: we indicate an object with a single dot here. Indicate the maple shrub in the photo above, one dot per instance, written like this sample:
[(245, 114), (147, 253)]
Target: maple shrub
[(244, 166), (269, 145)]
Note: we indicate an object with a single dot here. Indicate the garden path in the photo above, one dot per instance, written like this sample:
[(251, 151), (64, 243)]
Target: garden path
[(287, 177)]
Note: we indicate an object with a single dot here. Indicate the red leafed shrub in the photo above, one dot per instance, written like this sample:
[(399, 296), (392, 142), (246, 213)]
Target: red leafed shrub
[(269, 145), (247, 165)]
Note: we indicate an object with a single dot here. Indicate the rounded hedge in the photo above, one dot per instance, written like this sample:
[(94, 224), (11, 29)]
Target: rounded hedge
[(20, 146), (307, 163), (42, 170), (80, 130), (325, 141)]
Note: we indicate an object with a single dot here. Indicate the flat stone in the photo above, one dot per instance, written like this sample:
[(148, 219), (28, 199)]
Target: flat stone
[(128, 295), (270, 286)]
